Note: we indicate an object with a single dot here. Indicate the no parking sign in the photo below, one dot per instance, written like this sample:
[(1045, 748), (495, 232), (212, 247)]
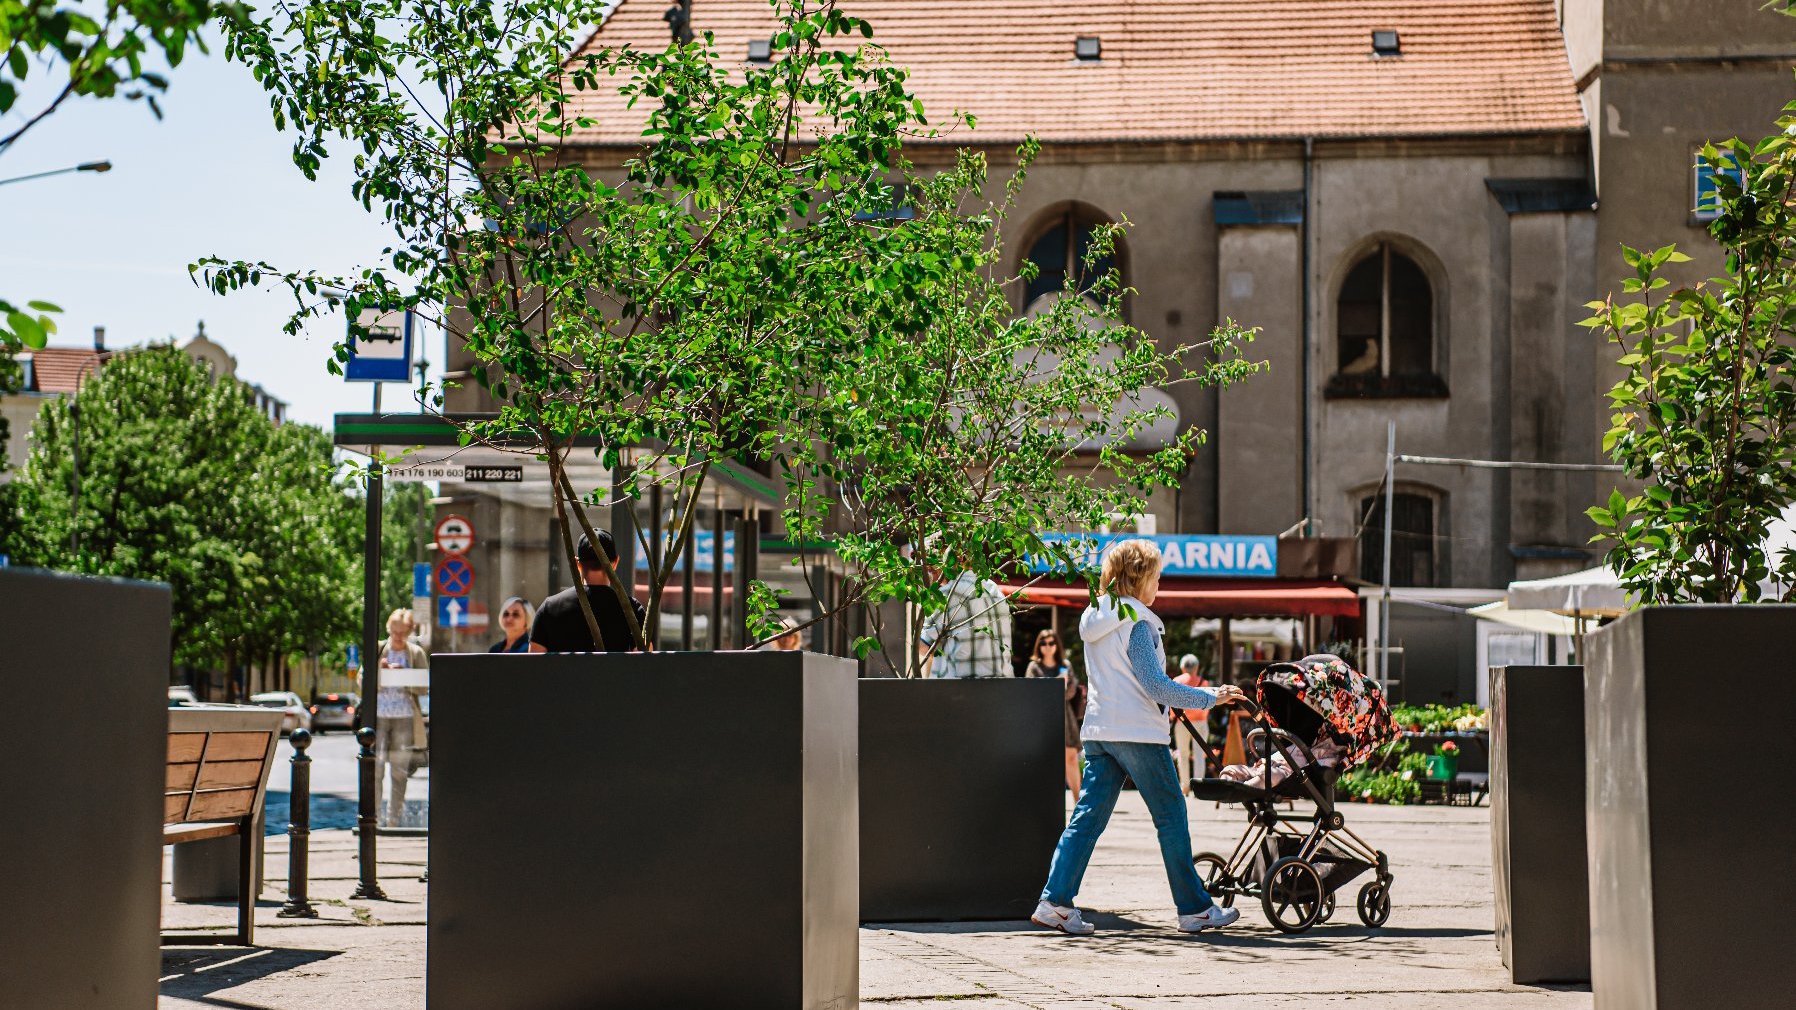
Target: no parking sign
[(454, 576)]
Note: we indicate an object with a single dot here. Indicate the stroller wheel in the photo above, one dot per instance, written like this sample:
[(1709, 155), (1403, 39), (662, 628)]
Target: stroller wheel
[(1212, 869), (1328, 908), (1374, 904), (1293, 895)]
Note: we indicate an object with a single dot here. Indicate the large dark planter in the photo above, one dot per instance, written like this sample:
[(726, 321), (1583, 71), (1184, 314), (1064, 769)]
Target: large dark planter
[(81, 768), (1537, 822), (962, 797), (1687, 714), (665, 830)]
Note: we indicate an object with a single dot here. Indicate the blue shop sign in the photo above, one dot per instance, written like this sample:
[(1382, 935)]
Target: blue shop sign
[(1196, 554), (704, 554)]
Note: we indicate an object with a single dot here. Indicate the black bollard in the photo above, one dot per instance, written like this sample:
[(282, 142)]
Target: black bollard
[(299, 830), (369, 887)]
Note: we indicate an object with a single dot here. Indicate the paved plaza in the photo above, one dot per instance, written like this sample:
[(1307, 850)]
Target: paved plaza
[(1436, 951)]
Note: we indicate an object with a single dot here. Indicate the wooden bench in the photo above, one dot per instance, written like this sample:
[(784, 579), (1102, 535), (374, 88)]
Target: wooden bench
[(217, 774)]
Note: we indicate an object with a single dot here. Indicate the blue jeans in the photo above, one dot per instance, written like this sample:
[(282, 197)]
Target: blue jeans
[(1150, 765)]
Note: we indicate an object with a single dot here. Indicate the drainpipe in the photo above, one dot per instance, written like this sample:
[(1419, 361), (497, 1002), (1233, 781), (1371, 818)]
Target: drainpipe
[(1309, 154)]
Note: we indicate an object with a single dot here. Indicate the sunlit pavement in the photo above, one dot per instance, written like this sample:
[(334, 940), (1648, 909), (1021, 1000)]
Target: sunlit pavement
[(1436, 951)]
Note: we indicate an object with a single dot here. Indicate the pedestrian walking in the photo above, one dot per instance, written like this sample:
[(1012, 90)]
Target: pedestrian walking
[(516, 616), (399, 719), (1125, 735), (1190, 750), (1048, 660), (970, 637), (560, 622), (789, 640)]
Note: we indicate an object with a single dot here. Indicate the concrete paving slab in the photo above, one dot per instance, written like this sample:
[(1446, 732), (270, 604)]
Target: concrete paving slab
[(1437, 951)]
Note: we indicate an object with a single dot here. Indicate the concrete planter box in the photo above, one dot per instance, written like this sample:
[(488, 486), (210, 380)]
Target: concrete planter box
[(1686, 712), (629, 830), (962, 797), (81, 771), (1537, 822)]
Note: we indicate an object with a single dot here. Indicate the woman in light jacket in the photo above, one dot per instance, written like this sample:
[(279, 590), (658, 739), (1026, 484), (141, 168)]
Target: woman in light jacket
[(1125, 735)]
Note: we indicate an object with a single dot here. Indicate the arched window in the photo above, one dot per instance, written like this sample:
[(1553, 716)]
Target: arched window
[(1063, 246), (1384, 329), (1413, 539)]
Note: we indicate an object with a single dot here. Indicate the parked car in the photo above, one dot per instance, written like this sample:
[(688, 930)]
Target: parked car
[(181, 694), (334, 711), (293, 711)]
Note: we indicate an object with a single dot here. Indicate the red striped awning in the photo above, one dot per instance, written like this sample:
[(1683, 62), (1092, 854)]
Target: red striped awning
[(1186, 597)]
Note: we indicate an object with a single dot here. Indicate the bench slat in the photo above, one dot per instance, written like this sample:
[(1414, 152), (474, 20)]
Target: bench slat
[(226, 803), (229, 774), (237, 747), (185, 746), (174, 834), (174, 808), (180, 777)]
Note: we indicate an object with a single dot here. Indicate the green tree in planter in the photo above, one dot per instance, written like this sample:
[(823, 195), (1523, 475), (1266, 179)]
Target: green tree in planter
[(766, 280), (183, 481), (1703, 416)]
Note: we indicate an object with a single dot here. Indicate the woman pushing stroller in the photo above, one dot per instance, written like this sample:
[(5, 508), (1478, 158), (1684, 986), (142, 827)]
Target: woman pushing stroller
[(1125, 735)]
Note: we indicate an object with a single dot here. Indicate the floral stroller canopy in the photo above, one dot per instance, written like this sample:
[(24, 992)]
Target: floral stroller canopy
[(1319, 694)]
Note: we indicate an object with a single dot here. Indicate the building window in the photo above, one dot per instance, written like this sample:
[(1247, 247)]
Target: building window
[(1707, 199), (1384, 329), (1063, 248), (1413, 539)]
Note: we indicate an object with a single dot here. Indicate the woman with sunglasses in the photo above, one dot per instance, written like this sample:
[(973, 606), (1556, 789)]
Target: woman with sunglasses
[(515, 619), (1049, 661)]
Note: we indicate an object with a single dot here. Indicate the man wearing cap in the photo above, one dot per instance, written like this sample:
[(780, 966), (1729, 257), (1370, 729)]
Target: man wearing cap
[(561, 624)]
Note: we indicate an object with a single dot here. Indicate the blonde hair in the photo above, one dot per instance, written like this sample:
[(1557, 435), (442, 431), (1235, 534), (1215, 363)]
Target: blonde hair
[(1129, 568), (404, 616)]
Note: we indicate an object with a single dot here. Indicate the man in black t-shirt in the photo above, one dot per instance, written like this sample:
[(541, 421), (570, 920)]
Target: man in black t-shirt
[(561, 624)]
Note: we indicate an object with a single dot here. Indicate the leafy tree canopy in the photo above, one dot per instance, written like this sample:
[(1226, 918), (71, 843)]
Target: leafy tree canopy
[(767, 278), (182, 480), (1705, 415)]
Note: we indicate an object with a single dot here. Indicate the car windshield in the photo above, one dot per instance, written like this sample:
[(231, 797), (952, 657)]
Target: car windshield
[(333, 703), (270, 700)]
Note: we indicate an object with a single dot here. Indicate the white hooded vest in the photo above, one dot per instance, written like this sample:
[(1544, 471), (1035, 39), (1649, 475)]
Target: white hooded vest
[(1118, 707)]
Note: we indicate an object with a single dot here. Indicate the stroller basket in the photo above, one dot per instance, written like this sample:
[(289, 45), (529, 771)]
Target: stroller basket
[(1337, 868)]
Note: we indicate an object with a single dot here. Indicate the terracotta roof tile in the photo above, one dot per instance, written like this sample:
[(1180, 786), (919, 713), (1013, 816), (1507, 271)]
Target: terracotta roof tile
[(63, 369), (1171, 70)]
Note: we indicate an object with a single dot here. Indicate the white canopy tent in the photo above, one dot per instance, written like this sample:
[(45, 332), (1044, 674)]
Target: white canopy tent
[(1594, 592)]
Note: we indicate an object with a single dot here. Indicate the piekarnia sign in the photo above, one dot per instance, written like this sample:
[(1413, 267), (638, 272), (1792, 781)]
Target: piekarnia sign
[(1196, 554)]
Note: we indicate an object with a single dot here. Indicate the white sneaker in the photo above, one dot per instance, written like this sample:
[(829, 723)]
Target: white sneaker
[(1064, 919), (1214, 917)]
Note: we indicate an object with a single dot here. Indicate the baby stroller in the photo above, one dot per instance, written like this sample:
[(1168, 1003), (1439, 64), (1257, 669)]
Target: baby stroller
[(1294, 863)]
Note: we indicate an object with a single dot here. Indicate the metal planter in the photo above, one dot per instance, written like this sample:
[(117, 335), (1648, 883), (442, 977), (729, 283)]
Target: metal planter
[(1538, 852), (962, 797), (1686, 733), (630, 830), (82, 774)]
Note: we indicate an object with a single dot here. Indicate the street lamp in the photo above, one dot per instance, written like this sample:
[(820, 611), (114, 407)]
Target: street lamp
[(86, 166)]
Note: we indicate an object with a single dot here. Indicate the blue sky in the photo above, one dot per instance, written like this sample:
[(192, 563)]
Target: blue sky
[(211, 177)]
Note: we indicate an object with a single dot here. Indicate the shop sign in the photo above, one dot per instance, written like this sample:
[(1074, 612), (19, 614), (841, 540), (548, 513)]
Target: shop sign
[(1187, 555), (704, 553)]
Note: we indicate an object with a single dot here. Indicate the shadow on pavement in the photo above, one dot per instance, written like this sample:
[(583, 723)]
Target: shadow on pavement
[(196, 973), (1102, 920)]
